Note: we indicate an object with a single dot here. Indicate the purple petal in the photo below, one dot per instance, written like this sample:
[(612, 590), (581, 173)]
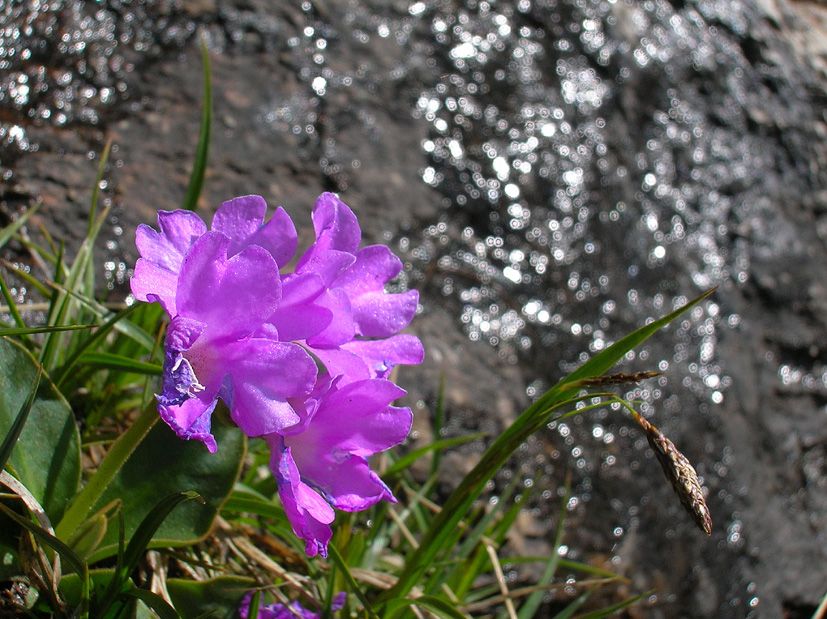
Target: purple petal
[(162, 254), (350, 485), (238, 219), (381, 356), (152, 283), (278, 236), (298, 316), (264, 374), (309, 514), (343, 363), (178, 232), (231, 296), (339, 601), (242, 220), (378, 314), (337, 239), (375, 266), (192, 420), (335, 224), (372, 425), (341, 328)]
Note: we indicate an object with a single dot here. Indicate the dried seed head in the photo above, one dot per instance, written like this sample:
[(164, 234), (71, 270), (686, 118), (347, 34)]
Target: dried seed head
[(617, 379), (680, 473)]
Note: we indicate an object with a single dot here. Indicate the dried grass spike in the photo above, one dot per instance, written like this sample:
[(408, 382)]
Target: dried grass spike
[(618, 379), (680, 473)]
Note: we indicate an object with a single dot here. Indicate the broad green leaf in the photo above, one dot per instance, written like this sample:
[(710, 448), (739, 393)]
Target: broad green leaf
[(46, 458), (18, 424), (217, 597), (163, 464)]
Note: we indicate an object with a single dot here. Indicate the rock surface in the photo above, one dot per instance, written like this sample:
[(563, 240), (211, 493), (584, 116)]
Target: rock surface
[(554, 175)]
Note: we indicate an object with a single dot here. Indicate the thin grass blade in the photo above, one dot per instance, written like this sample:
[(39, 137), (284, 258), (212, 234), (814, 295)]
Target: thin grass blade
[(15, 314), (202, 152), (529, 608), (434, 542), (138, 544), (155, 602), (610, 610), (339, 562), (438, 607), (108, 361), (33, 330), (408, 459), (9, 231)]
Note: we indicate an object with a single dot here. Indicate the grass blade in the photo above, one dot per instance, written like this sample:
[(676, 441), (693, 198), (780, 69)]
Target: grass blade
[(155, 602), (9, 231), (610, 610), (435, 540), (409, 458), (339, 562), (109, 361), (202, 152), (138, 544)]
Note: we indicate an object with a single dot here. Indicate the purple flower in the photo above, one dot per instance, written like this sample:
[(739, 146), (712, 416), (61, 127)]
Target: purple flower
[(242, 332), (220, 288), (291, 611), (216, 347), (322, 462)]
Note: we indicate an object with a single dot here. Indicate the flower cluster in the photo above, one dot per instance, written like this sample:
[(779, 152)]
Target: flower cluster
[(301, 359)]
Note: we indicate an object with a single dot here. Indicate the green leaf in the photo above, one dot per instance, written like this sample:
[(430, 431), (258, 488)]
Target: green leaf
[(17, 426), (610, 610), (46, 458), (203, 150), (409, 458), (71, 586), (217, 597), (336, 558), (530, 606), (47, 538), (31, 330), (108, 361), (13, 312), (163, 464)]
